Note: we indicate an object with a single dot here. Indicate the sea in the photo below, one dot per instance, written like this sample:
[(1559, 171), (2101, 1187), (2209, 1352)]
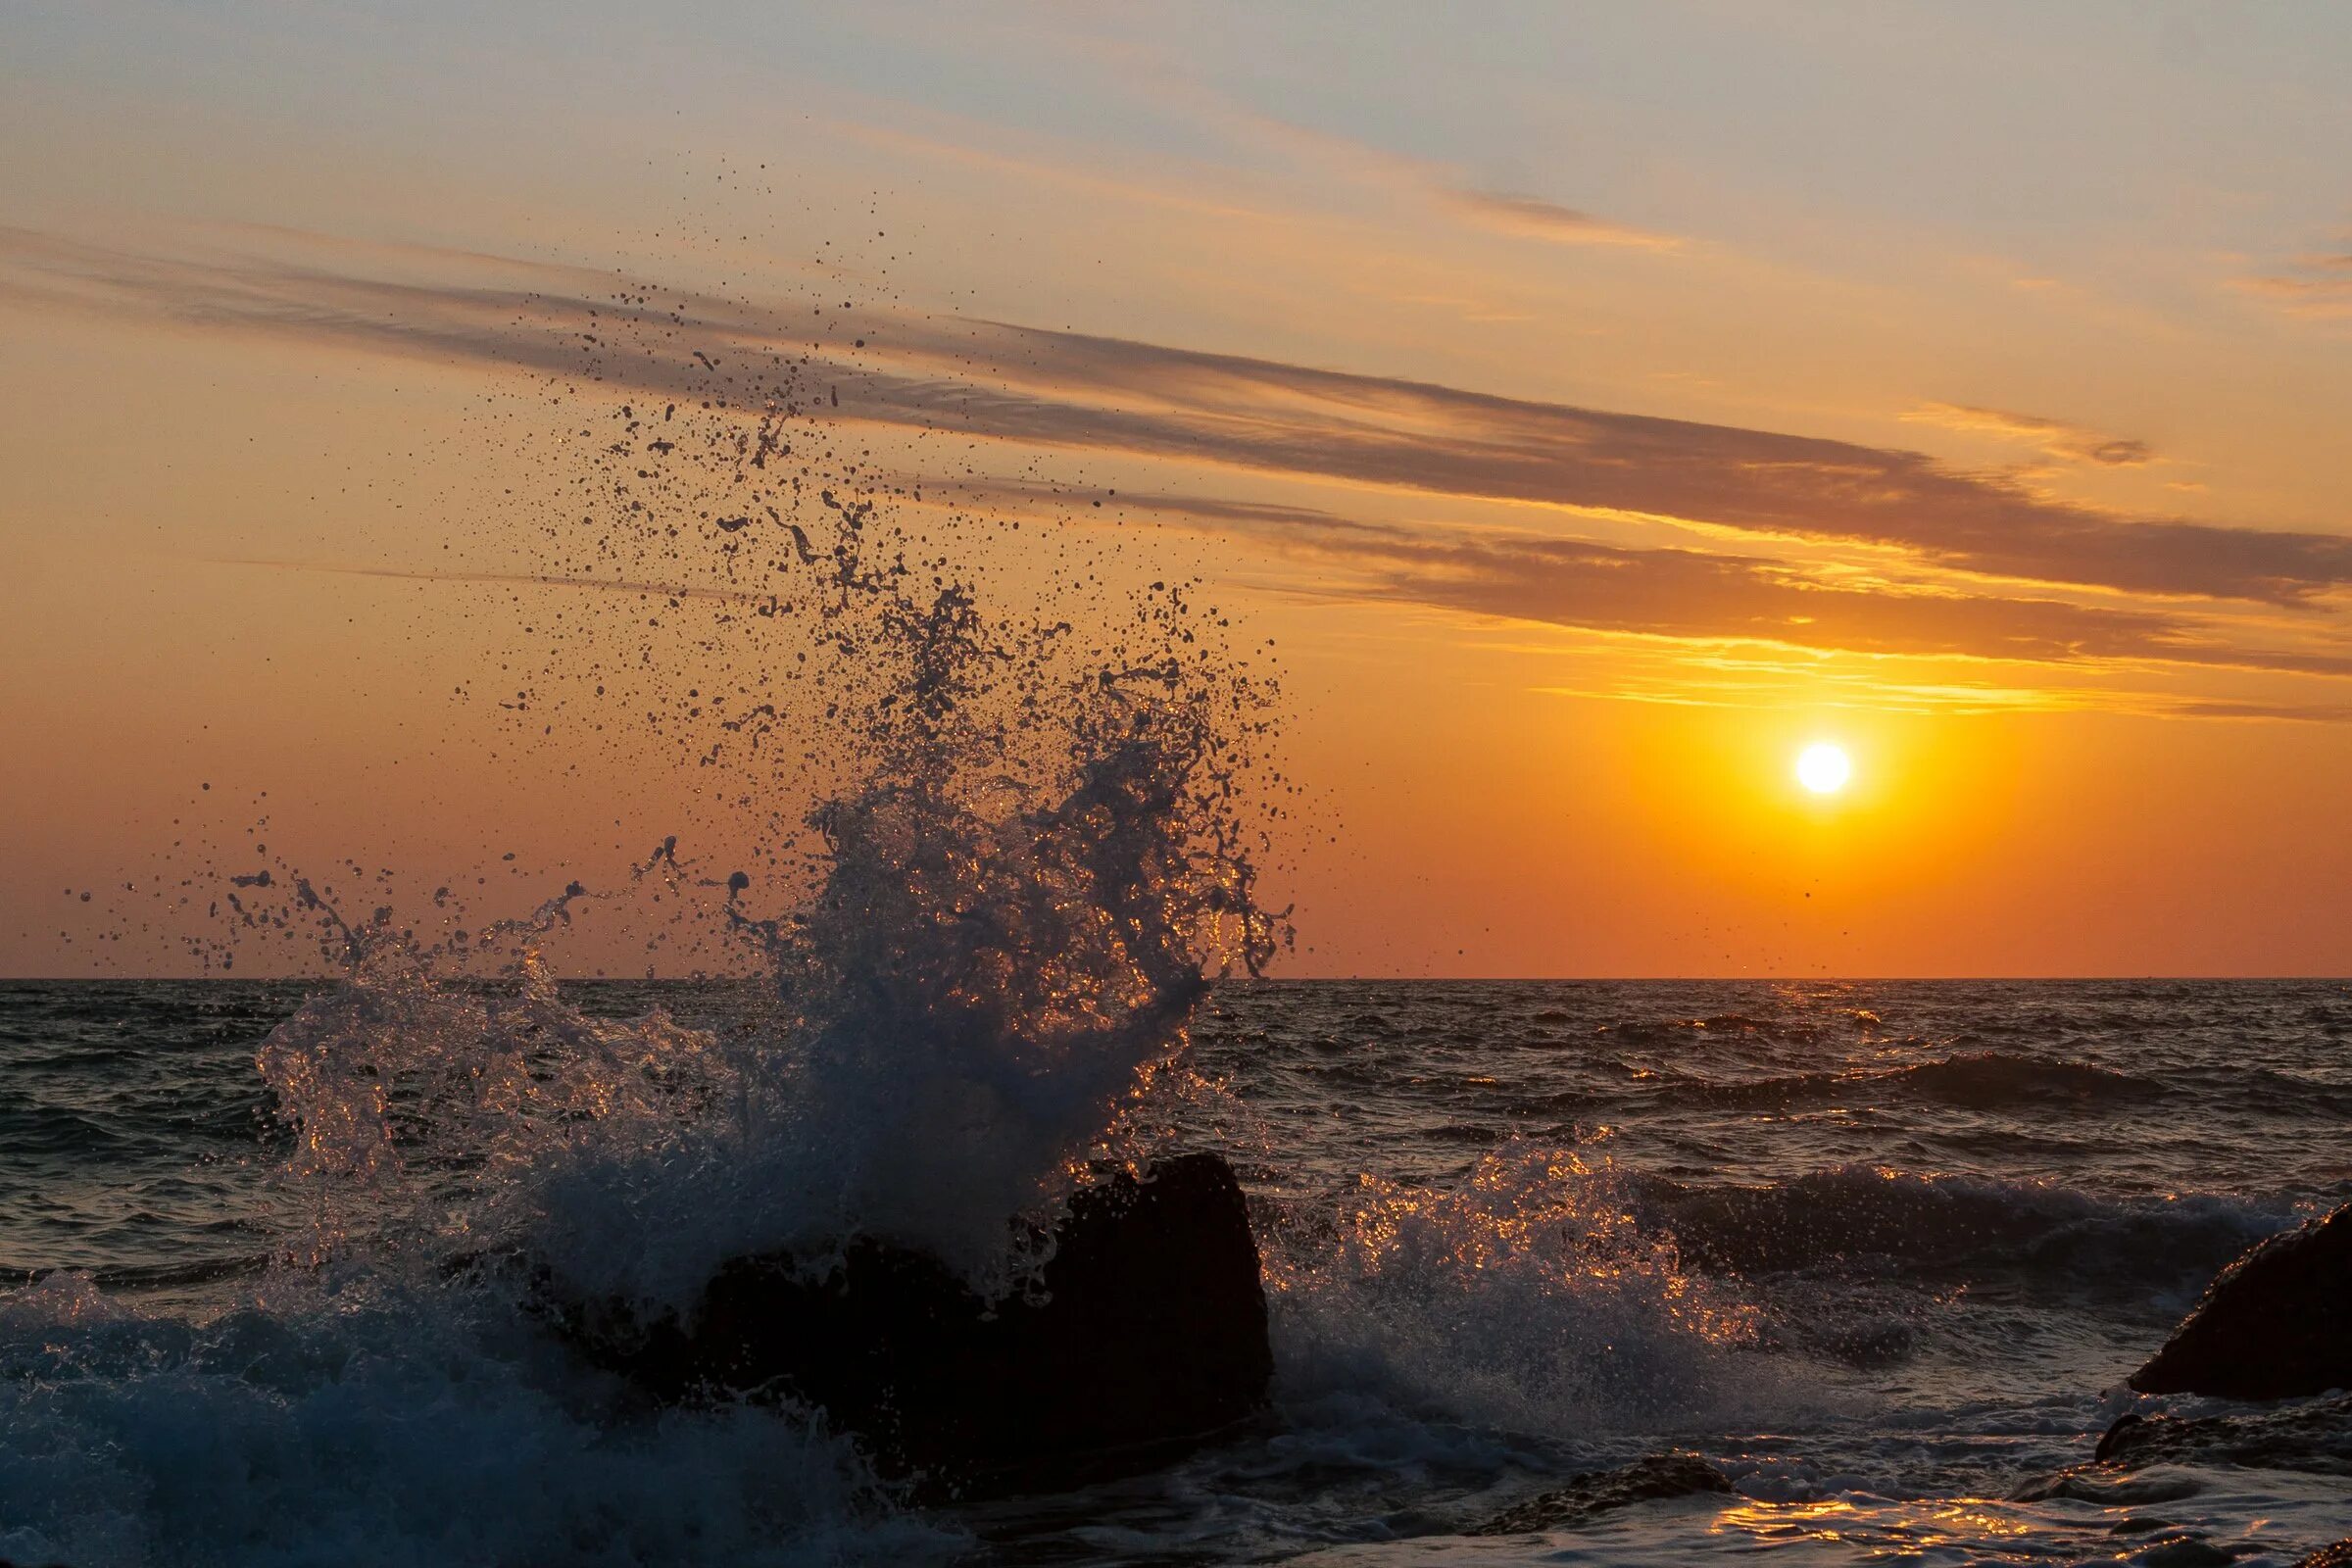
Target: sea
[(1881, 1251)]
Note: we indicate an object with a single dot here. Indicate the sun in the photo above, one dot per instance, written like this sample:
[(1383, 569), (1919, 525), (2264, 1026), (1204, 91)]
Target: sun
[(1824, 768)]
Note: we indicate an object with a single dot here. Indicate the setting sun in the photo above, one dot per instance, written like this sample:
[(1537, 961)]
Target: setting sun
[(1824, 768)]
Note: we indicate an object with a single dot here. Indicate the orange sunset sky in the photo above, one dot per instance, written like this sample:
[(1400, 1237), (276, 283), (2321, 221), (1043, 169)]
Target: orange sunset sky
[(1596, 404)]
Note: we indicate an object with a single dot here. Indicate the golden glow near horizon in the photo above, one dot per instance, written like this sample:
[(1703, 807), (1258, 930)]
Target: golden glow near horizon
[(1824, 767)]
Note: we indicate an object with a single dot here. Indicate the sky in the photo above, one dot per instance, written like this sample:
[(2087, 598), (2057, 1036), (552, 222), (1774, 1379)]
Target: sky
[(1598, 405)]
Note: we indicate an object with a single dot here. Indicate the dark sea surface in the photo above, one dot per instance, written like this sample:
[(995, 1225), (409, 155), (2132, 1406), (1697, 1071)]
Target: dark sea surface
[(1884, 1251)]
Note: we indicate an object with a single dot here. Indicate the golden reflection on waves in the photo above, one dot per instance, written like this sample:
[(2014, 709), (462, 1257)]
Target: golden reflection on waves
[(1942, 1530)]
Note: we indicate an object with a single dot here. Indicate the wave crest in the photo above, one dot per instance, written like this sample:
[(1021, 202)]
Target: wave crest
[(1527, 1295)]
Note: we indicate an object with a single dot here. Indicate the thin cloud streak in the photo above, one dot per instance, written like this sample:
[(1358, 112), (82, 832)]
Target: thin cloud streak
[(1446, 186), (2317, 285), (1069, 390), (1534, 218), (2293, 713), (1698, 596), (467, 577), (2056, 438)]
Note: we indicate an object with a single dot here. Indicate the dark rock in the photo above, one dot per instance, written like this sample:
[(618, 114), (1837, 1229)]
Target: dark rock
[(2106, 1486), (2338, 1556), (2116, 1441), (2313, 1437), (2276, 1324), (1146, 1334), (1588, 1497)]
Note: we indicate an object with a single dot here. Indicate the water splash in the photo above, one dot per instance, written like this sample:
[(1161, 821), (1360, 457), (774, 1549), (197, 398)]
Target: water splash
[(1006, 854), (1525, 1296), (391, 1431), (1018, 908)]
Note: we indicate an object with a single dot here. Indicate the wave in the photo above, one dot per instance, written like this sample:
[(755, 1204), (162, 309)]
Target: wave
[(1680, 1033), (1524, 1296), (1947, 1225), (151, 1276), (1988, 1080), (1553, 1293)]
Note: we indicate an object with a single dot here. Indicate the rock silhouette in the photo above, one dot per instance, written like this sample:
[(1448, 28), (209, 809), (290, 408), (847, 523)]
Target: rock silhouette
[(2275, 1324), (1148, 1334)]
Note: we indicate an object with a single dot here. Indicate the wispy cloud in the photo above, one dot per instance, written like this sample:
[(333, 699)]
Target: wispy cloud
[(1042, 388), (1116, 394), (2228, 708), (1703, 596), (632, 587), (2314, 284), (1449, 187), (1536, 218), (2054, 438)]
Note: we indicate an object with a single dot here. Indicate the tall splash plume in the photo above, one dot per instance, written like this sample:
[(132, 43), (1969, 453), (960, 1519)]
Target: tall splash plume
[(1005, 946), (1041, 850)]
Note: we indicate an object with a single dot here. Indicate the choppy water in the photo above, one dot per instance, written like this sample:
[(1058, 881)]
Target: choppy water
[(1884, 1251)]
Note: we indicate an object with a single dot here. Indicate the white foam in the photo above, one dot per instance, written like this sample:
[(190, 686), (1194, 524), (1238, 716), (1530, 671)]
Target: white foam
[(1523, 1298), (378, 1427)]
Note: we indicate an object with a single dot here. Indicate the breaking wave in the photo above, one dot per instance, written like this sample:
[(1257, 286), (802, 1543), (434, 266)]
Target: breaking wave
[(1525, 1296), (1034, 850), (312, 1427)]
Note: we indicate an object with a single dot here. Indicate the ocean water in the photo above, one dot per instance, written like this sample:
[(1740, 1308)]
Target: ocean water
[(1883, 1252)]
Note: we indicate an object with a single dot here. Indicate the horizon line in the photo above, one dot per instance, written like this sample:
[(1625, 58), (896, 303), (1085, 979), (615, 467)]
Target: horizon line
[(1310, 980)]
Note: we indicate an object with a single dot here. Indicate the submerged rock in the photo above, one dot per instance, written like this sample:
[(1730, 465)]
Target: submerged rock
[(2276, 1324), (1660, 1475), (2313, 1437), (1147, 1335)]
